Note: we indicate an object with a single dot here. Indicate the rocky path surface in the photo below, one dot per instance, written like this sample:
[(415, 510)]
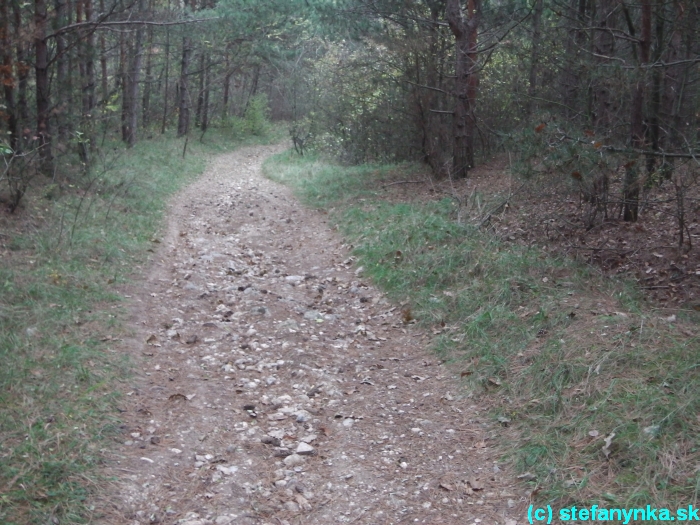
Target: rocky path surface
[(279, 387)]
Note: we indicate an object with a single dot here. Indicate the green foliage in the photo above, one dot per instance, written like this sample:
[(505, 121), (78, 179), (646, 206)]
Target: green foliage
[(351, 97), (524, 340), (255, 122)]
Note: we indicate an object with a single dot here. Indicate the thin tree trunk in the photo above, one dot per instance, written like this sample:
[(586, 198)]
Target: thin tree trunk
[(631, 181), (253, 87), (134, 79), (534, 55), (183, 121), (227, 81), (22, 78), (103, 62), (654, 130), (200, 93), (124, 84), (167, 78), (7, 78), (89, 85), (604, 49), (571, 77), (61, 70), (676, 78), (86, 140), (466, 83), (43, 94), (207, 87), (149, 81)]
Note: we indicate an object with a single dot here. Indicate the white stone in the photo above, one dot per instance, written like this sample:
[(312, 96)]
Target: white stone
[(305, 449)]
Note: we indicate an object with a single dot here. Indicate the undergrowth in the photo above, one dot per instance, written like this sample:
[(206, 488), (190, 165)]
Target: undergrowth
[(63, 256), (595, 396)]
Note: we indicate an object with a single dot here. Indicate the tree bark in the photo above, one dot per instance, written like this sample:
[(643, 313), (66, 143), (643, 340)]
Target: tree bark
[(534, 54), (43, 94), (227, 81), (183, 121), (200, 92), (22, 76), (7, 77), (149, 80), (205, 102), (466, 82), (60, 19), (88, 88), (124, 85), (134, 79), (164, 120), (103, 62), (571, 76), (604, 48), (631, 181)]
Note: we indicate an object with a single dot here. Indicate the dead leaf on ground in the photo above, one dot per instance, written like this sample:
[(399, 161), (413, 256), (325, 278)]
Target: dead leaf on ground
[(475, 483), (178, 397), (527, 476), (608, 441)]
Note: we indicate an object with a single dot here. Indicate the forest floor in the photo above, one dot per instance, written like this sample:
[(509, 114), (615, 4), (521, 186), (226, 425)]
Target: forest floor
[(276, 385), (549, 212)]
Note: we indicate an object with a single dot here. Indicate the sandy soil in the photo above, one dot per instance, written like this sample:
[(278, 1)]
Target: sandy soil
[(278, 386)]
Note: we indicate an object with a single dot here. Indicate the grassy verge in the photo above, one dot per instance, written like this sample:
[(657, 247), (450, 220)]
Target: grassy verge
[(596, 396), (62, 257)]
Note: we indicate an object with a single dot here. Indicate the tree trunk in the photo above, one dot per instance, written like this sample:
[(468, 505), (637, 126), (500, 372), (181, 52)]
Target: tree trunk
[(227, 81), (631, 181), (103, 62), (604, 49), (466, 83), (7, 78), (200, 93), (60, 20), (43, 94), (134, 79), (183, 121), (124, 84), (674, 89), (88, 87), (86, 139), (654, 131), (164, 121), (253, 87), (22, 76), (149, 80), (571, 77), (207, 87), (534, 54)]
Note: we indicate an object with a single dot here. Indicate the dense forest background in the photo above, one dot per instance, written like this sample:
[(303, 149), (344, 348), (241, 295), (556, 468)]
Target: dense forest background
[(602, 91)]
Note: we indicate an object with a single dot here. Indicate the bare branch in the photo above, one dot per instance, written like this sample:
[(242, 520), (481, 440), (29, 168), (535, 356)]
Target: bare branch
[(96, 24), (427, 87)]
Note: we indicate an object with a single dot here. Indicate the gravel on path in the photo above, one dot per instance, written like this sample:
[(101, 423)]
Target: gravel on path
[(278, 386)]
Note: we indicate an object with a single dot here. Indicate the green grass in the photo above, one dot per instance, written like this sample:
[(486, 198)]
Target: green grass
[(564, 357), (62, 259)]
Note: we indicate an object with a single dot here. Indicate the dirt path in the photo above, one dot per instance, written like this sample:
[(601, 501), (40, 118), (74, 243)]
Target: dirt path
[(279, 387)]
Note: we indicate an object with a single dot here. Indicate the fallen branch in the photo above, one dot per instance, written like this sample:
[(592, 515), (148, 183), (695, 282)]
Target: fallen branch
[(403, 182), (624, 252), (501, 205)]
